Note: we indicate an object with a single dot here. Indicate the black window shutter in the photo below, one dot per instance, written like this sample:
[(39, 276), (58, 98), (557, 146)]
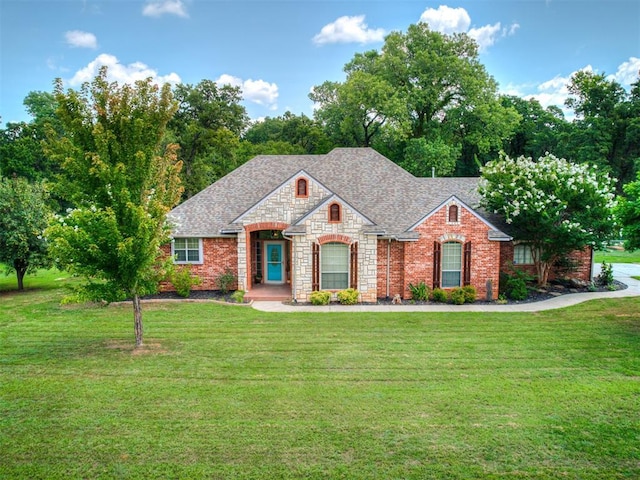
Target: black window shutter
[(436, 265), (467, 264), (354, 265), (315, 267)]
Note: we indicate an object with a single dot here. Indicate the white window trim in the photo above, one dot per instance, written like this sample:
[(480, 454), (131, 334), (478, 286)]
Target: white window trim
[(187, 262)]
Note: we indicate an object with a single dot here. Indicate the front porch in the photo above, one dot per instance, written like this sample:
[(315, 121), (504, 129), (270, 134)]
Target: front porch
[(266, 292)]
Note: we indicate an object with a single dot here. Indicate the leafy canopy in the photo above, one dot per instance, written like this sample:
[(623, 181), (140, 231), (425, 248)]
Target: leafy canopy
[(628, 212), (554, 205), (23, 218), (122, 181)]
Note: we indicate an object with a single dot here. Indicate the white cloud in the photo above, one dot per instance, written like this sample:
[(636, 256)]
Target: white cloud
[(446, 19), (256, 91), (157, 8), (349, 30), (449, 20), (77, 38), (485, 36), (628, 72), (118, 72)]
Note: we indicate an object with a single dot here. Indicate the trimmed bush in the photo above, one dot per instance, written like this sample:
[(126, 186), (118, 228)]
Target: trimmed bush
[(348, 296), (439, 295), (470, 293), (419, 292), (238, 296), (320, 297), (456, 296), (516, 289), (182, 280), (226, 281)]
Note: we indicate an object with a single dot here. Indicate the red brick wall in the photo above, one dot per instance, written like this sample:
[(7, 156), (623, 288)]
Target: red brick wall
[(396, 268), (219, 255), (485, 254), (582, 259)]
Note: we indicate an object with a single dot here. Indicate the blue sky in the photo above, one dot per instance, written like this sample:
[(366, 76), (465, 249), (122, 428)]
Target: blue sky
[(276, 51)]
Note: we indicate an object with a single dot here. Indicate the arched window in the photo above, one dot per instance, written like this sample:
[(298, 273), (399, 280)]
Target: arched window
[(335, 213), (453, 214), (301, 188)]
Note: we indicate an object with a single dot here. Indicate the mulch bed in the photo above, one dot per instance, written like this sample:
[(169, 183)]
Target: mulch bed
[(536, 295)]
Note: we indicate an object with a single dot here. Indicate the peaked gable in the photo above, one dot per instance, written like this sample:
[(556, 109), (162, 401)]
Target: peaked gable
[(494, 233)]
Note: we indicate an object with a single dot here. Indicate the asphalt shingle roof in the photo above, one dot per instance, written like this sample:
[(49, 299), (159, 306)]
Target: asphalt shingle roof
[(378, 188)]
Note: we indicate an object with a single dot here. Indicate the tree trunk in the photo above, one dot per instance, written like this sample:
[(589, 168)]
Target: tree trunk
[(543, 269), (21, 270), (137, 319)]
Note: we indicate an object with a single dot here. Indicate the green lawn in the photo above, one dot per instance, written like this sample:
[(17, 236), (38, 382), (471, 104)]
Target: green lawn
[(617, 256), (228, 392)]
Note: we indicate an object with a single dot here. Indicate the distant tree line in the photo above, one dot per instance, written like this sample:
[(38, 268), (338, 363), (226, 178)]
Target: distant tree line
[(424, 100)]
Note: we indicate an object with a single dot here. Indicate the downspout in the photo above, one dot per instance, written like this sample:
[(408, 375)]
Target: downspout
[(388, 266), (292, 256)]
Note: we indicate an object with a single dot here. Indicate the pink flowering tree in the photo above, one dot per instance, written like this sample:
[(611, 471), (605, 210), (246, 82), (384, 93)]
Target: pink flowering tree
[(552, 204)]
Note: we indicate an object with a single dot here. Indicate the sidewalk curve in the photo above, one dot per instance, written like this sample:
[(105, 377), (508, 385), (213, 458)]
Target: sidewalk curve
[(621, 272)]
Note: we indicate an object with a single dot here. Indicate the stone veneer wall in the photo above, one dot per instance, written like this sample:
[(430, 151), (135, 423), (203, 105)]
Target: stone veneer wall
[(485, 254), (277, 211), (349, 230)]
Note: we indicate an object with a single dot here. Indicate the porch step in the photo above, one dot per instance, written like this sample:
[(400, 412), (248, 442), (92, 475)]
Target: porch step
[(268, 298), (269, 293)]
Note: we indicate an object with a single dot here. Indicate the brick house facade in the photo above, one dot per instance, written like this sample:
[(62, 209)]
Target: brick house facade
[(351, 218)]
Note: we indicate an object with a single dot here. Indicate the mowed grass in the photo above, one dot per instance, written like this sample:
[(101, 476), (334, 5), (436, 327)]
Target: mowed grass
[(617, 256), (229, 392)]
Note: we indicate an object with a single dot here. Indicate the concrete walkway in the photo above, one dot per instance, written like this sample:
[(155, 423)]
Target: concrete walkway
[(621, 272)]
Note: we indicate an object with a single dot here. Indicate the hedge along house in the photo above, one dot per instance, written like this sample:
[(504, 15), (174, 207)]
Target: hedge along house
[(350, 218)]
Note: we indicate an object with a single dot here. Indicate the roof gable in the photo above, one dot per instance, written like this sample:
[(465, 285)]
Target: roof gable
[(493, 232), (369, 183)]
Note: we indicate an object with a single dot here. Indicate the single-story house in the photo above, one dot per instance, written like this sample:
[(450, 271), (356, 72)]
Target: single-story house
[(350, 218)]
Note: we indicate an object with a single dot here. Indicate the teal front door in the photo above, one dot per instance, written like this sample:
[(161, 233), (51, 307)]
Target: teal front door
[(275, 262)]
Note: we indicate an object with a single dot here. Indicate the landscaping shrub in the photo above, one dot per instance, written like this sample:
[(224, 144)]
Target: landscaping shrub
[(419, 292), (348, 296), (605, 278), (516, 289), (470, 293), (456, 296), (439, 295), (182, 280), (320, 298), (226, 281), (238, 296)]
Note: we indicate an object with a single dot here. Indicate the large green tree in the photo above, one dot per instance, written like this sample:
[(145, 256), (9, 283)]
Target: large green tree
[(24, 215), (606, 131), (21, 150), (301, 133), (121, 179), (539, 131), (356, 111), (424, 85), (207, 126), (628, 212), (553, 205)]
